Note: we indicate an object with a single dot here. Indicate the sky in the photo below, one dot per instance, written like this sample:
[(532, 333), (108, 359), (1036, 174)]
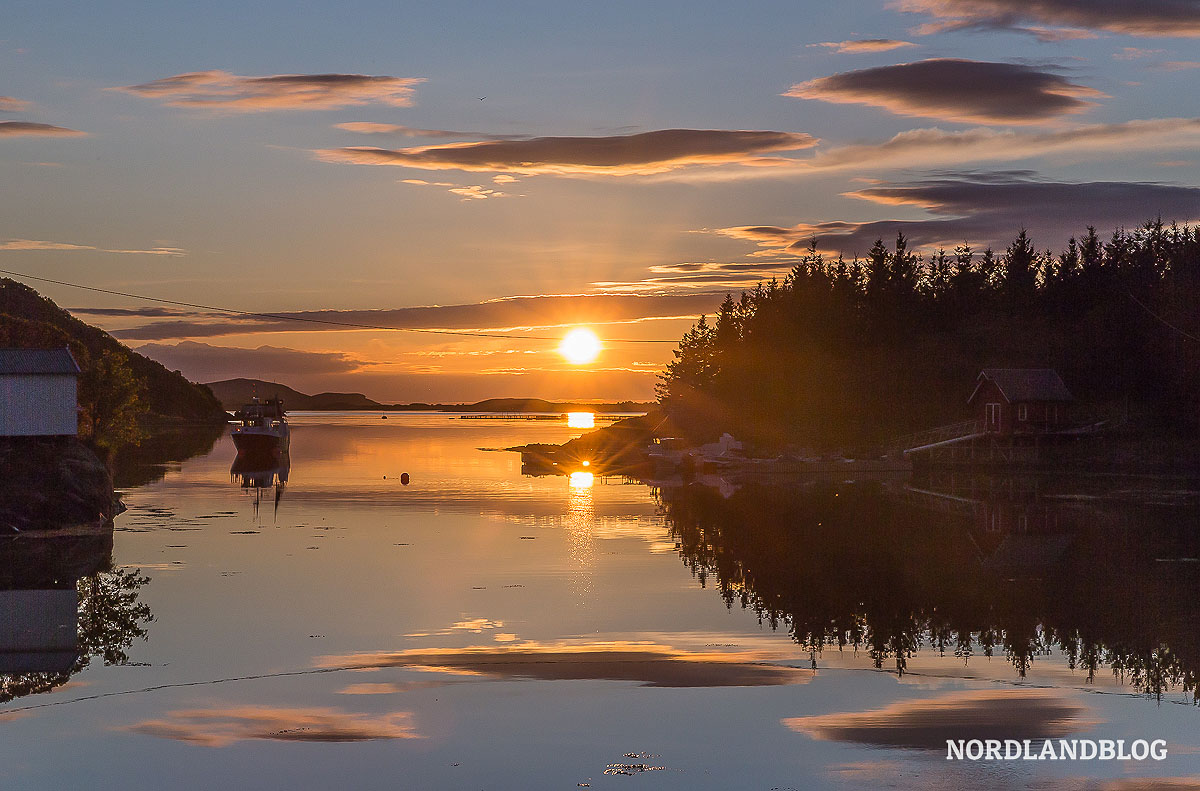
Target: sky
[(516, 170)]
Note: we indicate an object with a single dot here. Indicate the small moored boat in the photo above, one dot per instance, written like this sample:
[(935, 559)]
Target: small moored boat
[(262, 427)]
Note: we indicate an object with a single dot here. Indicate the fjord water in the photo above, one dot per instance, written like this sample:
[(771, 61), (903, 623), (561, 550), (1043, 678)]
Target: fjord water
[(477, 628)]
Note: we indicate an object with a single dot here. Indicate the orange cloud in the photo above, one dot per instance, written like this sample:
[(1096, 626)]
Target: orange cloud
[(965, 91), (927, 724), (221, 90), (477, 192), (865, 45), (8, 104), (618, 155), (508, 313), (1142, 18), (30, 129), (222, 727), (27, 245), (372, 128)]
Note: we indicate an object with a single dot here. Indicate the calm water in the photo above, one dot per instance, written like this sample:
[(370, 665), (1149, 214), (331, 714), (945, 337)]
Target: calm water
[(477, 628)]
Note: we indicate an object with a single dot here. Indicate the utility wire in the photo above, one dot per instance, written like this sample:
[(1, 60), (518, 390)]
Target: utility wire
[(1182, 332), (311, 320)]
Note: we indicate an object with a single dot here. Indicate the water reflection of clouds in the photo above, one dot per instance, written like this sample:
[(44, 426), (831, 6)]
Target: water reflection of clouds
[(652, 665), (928, 723), (472, 625), (221, 727), (386, 688)]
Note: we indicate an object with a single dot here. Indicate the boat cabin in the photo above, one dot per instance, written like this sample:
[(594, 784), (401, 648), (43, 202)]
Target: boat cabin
[(1011, 401), (261, 413)]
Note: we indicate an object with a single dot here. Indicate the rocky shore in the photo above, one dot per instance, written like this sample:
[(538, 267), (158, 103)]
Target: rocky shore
[(51, 483)]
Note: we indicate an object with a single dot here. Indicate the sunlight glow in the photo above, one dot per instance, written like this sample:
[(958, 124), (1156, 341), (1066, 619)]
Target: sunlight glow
[(582, 480), (581, 420), (580, 346)]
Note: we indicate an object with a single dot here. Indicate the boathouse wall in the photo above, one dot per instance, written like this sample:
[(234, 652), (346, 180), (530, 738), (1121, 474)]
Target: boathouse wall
[(38, 393)]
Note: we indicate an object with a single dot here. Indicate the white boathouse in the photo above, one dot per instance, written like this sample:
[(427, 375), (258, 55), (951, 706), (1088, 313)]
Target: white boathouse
[(39, 393)]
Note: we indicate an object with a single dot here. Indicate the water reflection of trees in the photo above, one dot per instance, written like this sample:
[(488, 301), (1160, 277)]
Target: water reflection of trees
[(109, 615), (146, 462), (879, 570)]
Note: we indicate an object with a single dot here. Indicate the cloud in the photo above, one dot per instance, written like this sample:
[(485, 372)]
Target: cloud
[(465, 193), (30, 129), (1179, 65), (616, 155), (954, 90), (33, 245), (653, 665), (710, 275), (927, 147), (145, 312), (986, 209), (519, 312), (207, 363), (1134, 53), (371, 128), (222, 727), (477, 192), (926, 724), (864, 45), (1165, 18), (220, 90), (8, 104)]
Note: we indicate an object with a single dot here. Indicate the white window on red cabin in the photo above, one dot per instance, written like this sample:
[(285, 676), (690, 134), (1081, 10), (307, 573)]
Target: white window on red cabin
[(1023, 412)]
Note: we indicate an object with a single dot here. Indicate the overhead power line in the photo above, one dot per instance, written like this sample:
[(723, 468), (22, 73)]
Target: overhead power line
[(1159, 318), (313, 320)]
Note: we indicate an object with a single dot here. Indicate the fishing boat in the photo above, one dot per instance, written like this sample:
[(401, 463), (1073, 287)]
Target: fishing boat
[(262, 428)]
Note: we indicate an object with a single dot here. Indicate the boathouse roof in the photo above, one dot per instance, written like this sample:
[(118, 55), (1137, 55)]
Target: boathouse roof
[(38, 361), (1025, 384)]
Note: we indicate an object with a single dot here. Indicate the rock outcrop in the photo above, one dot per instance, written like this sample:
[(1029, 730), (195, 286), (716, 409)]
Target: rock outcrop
[(52, 482)]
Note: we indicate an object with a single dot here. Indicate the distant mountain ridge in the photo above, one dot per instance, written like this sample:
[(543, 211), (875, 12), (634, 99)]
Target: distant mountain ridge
[(233, 393)]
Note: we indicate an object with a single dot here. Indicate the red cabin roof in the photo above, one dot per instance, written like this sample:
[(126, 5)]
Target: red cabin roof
[(1024, 384)]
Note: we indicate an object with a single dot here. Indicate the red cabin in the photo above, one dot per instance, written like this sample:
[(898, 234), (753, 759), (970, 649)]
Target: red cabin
[(1011, 401)]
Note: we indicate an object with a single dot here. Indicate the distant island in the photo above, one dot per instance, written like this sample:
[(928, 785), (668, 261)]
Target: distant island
[(233, 393)]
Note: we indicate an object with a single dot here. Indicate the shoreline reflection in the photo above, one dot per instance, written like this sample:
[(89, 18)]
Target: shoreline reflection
[(988, 566)]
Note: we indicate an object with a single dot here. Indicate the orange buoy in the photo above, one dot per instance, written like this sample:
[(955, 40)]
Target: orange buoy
[(404, 478)]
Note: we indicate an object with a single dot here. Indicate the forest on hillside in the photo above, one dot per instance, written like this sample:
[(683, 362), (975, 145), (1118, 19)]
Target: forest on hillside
[(122, 394), (854, 352)]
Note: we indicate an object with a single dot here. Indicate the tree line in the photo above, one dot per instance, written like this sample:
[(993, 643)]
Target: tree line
[(842, 352)]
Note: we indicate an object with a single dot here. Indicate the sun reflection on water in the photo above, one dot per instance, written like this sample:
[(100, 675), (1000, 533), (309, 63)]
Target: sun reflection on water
[(581, 536), (581, 420)]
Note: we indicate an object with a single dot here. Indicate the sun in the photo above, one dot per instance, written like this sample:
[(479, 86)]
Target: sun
[(580, 346)]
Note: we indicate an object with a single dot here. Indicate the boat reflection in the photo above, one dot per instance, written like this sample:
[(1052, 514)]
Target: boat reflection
[(260, 472), (1102, 575), (61, 604)]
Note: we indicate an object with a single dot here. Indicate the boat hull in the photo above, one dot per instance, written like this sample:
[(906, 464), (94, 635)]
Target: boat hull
[(260, 442)]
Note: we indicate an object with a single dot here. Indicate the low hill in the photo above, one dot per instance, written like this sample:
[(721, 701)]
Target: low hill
[(232, 393), (29, 320), (540, 405)]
